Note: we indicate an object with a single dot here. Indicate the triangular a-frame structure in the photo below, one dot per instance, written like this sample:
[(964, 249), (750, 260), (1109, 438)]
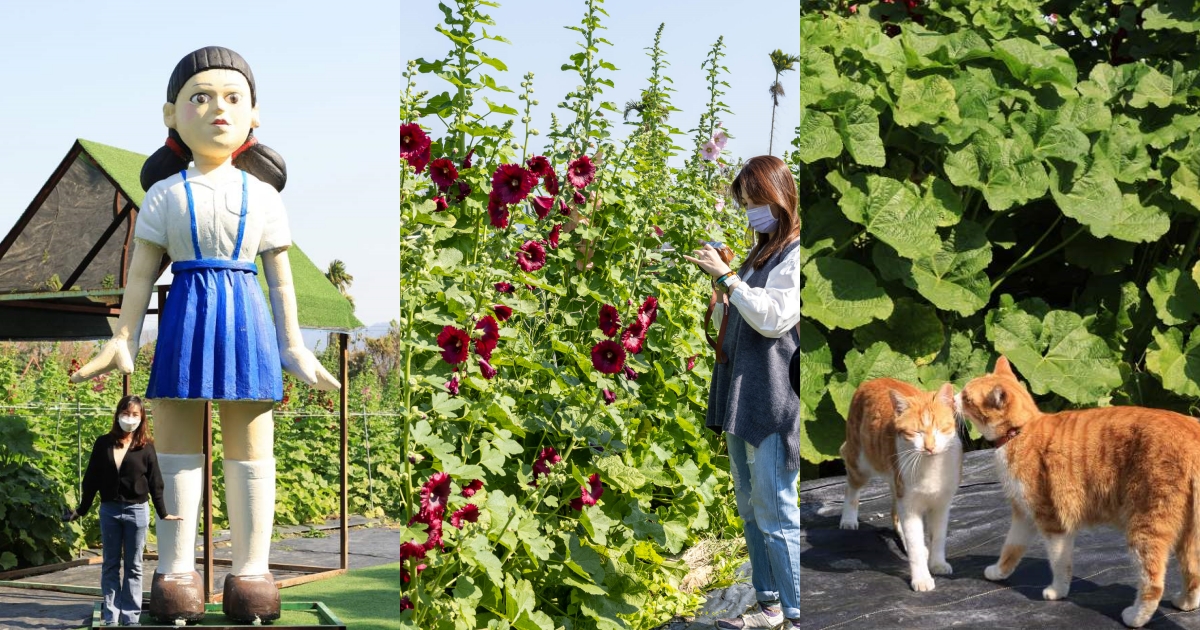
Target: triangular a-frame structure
[(63, 265)]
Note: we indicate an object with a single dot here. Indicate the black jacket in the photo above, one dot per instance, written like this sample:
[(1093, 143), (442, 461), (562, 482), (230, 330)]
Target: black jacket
[(138, 478)]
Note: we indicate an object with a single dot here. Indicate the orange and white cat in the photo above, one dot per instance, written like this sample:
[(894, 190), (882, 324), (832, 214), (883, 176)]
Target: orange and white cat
[(1132, 467), (910, 437)]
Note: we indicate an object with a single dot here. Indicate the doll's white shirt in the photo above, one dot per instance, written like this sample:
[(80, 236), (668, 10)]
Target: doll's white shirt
[(773, 309), (164, 219)]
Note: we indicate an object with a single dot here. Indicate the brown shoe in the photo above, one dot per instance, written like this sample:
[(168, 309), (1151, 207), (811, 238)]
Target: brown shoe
[(250, 598), (176, 596)]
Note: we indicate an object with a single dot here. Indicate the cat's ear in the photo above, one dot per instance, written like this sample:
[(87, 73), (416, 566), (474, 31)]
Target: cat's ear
[(996, 398), (899, 402), (1003, 368), (946, 395)]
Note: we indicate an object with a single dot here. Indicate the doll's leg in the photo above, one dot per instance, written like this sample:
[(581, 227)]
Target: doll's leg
[(249, 432), (176, 591)]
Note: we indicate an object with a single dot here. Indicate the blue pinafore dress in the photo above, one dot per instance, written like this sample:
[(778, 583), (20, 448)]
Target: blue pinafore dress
[(216, 338)]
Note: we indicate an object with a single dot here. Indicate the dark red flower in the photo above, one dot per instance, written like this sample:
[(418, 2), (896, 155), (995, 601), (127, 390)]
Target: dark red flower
[(491, 330), (588, 495), (486, 368), (505, 287), (532, 256), (630, 374), (464, 189), (455, 343), (658, 231), (502, 312), (440, 204), (541, 466), (578, 199), (512, 183), (405, 604), (563, 209), (466, 163), (553, 238), (542, 206), (634, 335), (418, 160), (468, 513), (411, 549), (452, 385), (539, 166), (608, 357), (497, 212), (412, 140), (650, 309), (610, 320), (581, 172), (435, 534), (443, 173), (434, 494), (475, 486), (609, 398), (691, 362), (550, 183), (484, 348)]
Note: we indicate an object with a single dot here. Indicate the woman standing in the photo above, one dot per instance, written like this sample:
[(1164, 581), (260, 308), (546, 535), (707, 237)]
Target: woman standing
[(751, 401), (123, 468)]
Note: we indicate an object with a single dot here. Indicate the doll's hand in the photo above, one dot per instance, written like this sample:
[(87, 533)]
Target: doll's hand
[(117, 354), (172, 517), (301, 363)]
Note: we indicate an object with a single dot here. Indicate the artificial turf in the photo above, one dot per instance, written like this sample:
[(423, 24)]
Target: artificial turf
[(364, 599)]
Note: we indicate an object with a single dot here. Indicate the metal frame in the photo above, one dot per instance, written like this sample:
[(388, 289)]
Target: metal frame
[(326, 617)]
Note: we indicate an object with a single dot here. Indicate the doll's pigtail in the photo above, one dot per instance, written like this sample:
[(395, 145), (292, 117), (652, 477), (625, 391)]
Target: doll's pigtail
[(262, 162), (169, 159)]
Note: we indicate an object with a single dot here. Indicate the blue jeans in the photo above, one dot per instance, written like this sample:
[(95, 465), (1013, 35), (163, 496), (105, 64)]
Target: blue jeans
[(768, 502), (122, 530)]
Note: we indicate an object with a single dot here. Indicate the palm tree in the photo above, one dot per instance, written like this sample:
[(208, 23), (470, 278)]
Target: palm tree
[(340, 279), (783, 63)]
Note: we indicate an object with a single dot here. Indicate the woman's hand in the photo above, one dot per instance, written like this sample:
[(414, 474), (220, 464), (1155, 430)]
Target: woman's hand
[(172, 517), (117, 353), (301, 363), (709, 260), (70, 515)]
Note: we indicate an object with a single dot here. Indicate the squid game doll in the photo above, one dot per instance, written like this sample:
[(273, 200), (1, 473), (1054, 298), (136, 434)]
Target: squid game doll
[(212, 206)]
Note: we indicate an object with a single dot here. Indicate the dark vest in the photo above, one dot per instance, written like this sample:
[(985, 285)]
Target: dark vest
[(750, 396)]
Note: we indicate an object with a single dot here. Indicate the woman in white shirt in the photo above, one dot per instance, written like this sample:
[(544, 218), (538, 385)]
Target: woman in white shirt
[(750, 400)]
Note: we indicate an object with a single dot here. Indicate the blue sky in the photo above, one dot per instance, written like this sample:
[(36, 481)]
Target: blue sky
[(752, 29), (328, 87)]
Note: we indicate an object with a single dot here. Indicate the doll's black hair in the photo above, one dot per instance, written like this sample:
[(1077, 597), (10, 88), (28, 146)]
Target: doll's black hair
[(257, 159)]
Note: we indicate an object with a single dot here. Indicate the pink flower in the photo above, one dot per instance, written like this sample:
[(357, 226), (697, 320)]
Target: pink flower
[(609, 398), (588, 495), (532, 256), (720, 138), (502, 312), (443, 173), (581, 171), (454, 343), (720, 205), (505, 287), (709, 151), (486, 368), (658, 231), (440, 204), (512, 183), (468, 513), (542, 206), (475, 486), (541, 466), (452, 385), (610, 320), (629, 373), (434, 494), (608, 357), (553, 238), (691, 363), (539, 166)]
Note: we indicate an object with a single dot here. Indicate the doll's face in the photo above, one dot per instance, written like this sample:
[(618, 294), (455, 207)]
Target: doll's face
[(213, 113)]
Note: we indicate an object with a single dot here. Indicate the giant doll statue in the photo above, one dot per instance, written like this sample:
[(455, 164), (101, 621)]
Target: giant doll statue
[(212, 205)]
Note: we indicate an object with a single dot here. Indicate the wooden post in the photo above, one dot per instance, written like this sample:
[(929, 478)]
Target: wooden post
[(208, 521), (344, 394)]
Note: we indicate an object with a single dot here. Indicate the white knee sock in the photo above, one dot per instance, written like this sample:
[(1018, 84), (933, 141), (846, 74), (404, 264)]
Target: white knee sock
[(182, 485), (250, 503)]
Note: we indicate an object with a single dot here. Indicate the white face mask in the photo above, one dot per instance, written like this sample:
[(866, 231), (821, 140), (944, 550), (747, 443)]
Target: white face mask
[(761, 219), (128, 423)]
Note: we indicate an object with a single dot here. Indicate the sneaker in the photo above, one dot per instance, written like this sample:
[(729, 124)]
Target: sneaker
[(760, 616), (792, 623)]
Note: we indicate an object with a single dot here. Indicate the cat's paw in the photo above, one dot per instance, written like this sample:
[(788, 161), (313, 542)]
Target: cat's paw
[(940, 567), (849, 522), (994, 573), (1055, 592), (1185, 602), (922, 583), (1134, 617)]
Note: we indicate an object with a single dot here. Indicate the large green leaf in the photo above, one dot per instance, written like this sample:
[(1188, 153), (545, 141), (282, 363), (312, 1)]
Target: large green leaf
[(1185, 181), (1004, 168), (1178, 15), (1175, 295), (1175, 363), (927, 99), (1037, 62), (816, 362), (891, 210), (913, 329), (858, 127), (818, 138), (952, 277), (842, 294)]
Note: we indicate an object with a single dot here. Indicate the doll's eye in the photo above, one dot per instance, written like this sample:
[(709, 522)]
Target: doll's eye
[(199, 99), (234, 98)]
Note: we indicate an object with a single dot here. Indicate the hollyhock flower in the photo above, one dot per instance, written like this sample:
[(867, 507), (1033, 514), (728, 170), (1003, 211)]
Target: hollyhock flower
[(475, 486), (455, 343), (658, 231), (553, 238), (491, 330), (720, 138), (589, 494), (405, 604), (440, 204), (412, 140), (497, 212), (691, 362), (634, 335), (502, 312), (649, 308), (610, 320), (541, 466), (609, 397), (466, 163), (578, 199), (542, 206), (720, 205), (563, 209), (435, 534), (485, 347), (418, 160), (630, 374), (464, 189), (505, 287), (435, 493), (539, 166), (489, 372), (581, 172), (452, 385), (411, 549), (468, 513), (608, 356), (443, 173), (550, 183), (512, 183), (532, 256), (709, 151)]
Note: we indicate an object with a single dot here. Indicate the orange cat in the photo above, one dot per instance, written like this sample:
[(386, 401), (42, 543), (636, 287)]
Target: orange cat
[(1132, 467), (910, 437)]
